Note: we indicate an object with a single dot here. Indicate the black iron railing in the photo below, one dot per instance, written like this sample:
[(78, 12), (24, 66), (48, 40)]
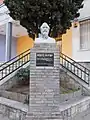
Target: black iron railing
[(9, 67), (75, 68), (15, 58)]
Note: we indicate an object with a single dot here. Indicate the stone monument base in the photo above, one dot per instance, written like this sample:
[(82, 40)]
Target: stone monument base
[(44, 82)]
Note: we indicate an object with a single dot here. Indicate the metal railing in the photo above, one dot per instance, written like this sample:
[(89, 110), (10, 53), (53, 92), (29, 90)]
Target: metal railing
[(9, 67), (15, 58), (75, 68)]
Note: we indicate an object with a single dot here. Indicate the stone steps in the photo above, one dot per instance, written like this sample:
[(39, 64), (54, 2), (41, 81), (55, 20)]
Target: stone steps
[(13, 109)]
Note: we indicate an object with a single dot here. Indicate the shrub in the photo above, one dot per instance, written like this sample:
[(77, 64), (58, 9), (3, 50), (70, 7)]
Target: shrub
[(23, 76)]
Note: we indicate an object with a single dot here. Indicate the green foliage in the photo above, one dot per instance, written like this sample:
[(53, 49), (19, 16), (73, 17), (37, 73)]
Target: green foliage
[(23, 75), (72, 90), (32, 13)]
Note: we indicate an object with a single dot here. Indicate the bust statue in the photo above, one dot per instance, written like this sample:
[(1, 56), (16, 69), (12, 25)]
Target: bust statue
[(43, 37)]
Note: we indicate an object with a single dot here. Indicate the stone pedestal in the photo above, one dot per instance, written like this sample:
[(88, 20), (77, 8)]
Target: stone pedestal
[(44, 82)]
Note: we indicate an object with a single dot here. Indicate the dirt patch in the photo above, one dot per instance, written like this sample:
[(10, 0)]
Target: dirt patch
[(20, 87)]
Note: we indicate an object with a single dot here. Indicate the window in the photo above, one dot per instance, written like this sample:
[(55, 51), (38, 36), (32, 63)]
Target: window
[(85, 35)]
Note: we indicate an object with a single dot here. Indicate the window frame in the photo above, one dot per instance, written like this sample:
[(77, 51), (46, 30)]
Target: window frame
[(87, 39)]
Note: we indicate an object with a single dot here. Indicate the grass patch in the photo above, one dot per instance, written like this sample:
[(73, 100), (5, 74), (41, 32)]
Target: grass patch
[(70, 91)]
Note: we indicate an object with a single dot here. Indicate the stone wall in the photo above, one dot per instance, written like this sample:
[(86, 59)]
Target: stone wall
[(68, 82), (9, 82), (14, 96), (69, 88), (12, 113), (70, 96), (11, 79), (85, 115), (71, 111)]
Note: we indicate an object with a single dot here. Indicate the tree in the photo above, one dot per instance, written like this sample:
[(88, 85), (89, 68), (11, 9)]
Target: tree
[(32, 13)]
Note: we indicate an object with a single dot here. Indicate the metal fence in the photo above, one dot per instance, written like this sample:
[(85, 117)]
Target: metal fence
[(9, 67), (75, 68)]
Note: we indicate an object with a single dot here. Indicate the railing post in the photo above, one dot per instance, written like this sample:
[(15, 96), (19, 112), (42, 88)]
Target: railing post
[(89, 79), (8, 41)]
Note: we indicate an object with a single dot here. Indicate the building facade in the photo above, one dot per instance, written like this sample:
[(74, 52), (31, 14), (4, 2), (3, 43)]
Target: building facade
[(13, 37), (81, 37)]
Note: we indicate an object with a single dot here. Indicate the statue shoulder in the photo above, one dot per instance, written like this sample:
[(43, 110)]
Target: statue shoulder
[(52, 39), (37, 39), (41, 40)]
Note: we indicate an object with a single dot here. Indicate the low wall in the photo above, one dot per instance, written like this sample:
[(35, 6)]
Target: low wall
[(12, 113), (68, 82), (14, 96), (69, 96), (11, 79), (9, 82), (70, 111)]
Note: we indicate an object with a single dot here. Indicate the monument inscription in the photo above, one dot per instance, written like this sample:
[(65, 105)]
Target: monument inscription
[(45, 59)]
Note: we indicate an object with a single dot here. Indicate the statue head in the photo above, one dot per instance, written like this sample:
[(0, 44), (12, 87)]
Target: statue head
[(43, 36), (44, 29)]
